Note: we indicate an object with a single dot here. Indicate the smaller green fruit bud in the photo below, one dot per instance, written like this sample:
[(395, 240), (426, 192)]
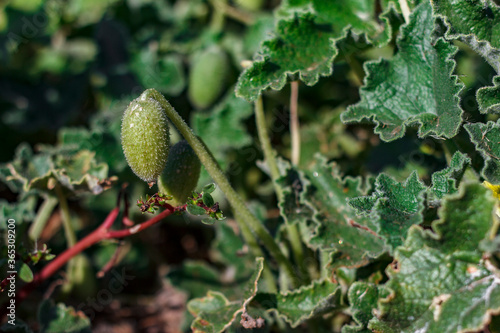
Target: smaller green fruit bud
[(180, 176), (207, 76), (145, 137)]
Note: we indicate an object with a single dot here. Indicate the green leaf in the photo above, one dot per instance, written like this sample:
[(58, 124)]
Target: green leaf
[(363, 299), (440, 282), (208, 221), (163, 73), (229, 250), (309, 301), (336, 227), (303, 43), (78, 173), (22, 211), (415, 87), (476, 23), (446, 181), (208, 200), (208, 188), (196, 278), (215, 313), (394, 207), (222, 127), (486, 138), (24, 272), (61, 319), (195, 210), (488, 98)]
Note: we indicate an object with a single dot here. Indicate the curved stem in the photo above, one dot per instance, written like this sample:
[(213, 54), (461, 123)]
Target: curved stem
[(217, 23), (42, 216), (294, 122), (66, 217), (269, 154), (101, 233), (218, 176)]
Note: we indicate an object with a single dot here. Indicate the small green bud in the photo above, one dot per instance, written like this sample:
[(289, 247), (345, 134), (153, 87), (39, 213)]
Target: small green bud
[(145, 137), (207, 76), (180, 176)]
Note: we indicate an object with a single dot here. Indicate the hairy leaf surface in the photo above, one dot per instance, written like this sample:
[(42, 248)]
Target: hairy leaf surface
[(415, 87)]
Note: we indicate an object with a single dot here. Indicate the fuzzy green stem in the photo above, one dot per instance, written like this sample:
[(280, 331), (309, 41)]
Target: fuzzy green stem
[(218, 15), (42, 216), (214, 170), (324, 259), (66, 217), (269, 154)]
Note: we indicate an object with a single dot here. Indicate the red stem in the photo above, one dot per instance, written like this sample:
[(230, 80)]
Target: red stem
[(101, 233)]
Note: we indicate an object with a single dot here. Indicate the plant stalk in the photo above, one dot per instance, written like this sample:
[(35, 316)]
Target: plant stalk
[(66, 217), (42, 216), (294, 122), (218, 176), (269, 154), (101, 233), (218, 16)]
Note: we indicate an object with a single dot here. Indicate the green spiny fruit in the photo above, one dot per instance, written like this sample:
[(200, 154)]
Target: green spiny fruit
[(207, 76), (180, 176), (145, 137)]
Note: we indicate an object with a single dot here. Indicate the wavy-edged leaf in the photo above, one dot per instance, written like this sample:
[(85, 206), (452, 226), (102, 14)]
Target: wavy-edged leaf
[(21, 211), (486, 138), (77, 173), (337, 228), (446, 181), (228, 249), (196, 278), (363, 298), (476, 23), (61, 319), (488, 98), (393, 207), (215, 313), (304, 40), (309, 301), (415, 87), (440, 283)]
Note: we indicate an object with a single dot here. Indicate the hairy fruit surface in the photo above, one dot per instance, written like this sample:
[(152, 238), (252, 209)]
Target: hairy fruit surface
[(145, 137), (180, 176)]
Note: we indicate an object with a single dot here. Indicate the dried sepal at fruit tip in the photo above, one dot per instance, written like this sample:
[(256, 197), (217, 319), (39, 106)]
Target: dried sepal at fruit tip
[(145, 137)]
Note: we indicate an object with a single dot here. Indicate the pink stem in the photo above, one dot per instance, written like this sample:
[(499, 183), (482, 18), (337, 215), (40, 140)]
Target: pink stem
[(101, 233)]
